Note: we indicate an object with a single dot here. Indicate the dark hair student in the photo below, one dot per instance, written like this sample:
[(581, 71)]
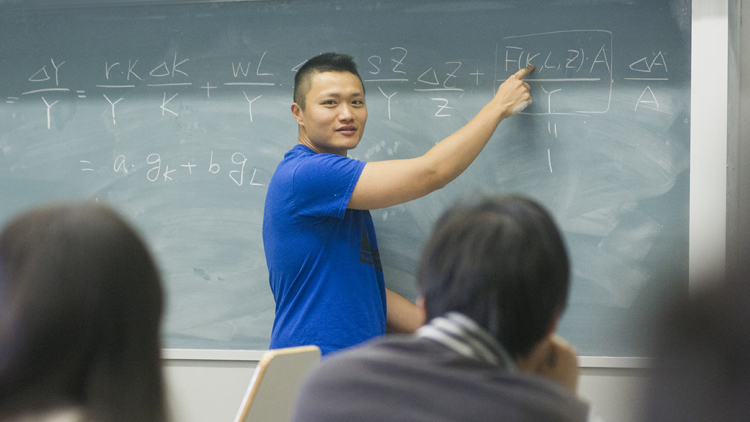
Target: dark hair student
[(501, 262), (81, 303), (493, 281)]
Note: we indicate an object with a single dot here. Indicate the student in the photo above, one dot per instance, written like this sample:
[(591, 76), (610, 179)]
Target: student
[(319, 239), (493, 280), (701, 370), (80, 310)]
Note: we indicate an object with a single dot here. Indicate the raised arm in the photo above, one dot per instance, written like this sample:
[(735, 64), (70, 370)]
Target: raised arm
[(387, 183)]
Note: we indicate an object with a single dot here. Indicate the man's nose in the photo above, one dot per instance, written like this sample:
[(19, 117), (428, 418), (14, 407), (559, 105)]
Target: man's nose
[(345, 112)]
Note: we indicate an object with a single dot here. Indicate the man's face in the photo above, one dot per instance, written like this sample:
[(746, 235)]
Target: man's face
[(335, 113)]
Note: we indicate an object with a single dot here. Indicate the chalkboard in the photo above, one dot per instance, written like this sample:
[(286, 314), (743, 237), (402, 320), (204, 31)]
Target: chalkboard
[(177, 114)]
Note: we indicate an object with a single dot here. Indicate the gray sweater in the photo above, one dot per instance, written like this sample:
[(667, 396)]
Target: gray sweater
[(417, 378)]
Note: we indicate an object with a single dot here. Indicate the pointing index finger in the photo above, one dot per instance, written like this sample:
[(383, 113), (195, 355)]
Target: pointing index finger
[(523, 72)]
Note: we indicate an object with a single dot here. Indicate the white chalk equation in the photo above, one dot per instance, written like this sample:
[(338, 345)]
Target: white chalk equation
[(165, 171), (574, 75), (118, 78), (574, 70), (566, 64)]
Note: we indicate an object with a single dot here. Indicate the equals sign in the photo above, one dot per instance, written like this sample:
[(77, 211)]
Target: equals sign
[(81, 94), (11, 100), (86, 169)]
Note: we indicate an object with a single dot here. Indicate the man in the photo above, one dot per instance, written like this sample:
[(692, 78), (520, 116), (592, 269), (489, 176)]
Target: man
[(319, 239), (493, 280)]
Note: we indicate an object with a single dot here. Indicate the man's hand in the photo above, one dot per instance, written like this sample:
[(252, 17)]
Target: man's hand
[(513, 95), (555, 359)]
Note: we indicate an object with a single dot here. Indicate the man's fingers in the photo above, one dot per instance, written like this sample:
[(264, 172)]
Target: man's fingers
[(521, 107), (523, 72)]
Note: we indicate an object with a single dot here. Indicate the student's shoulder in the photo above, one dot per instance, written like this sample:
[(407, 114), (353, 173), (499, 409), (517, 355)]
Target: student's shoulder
[(373, 351)]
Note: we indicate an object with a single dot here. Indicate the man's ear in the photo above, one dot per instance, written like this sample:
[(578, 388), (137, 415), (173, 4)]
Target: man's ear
[(297, 112)]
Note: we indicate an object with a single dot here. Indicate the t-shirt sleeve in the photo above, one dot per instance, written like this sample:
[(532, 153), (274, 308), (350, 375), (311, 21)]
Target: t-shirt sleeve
[(323, 184)]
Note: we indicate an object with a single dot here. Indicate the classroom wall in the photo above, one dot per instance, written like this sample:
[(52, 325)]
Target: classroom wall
[(203, 391), (211, 390)]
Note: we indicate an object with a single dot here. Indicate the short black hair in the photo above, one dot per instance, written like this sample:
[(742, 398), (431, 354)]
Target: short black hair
[(326, 62), (502, 262)]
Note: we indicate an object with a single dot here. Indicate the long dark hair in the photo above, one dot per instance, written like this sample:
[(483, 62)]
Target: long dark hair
[(81, 302), (500, 261)]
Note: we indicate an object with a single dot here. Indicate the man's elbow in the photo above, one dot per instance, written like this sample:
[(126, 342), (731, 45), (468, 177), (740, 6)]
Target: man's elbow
[(439, 179)]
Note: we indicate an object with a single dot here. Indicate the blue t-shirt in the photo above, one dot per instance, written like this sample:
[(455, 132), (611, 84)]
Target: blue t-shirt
[(322, 258)]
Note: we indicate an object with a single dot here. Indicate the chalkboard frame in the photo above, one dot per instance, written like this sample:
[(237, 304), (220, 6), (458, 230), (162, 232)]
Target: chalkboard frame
[(709, 179), (707, 171)]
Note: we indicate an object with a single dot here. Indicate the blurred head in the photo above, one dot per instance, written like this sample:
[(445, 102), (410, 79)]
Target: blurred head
[(80, 309), (700, 352), (500, 261)]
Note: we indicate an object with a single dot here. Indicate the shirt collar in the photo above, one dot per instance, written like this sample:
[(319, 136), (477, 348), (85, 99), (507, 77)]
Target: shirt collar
[(464, 336)]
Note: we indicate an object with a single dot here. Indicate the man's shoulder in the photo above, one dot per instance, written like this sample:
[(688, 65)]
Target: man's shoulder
[(294, 155), (303, 159)]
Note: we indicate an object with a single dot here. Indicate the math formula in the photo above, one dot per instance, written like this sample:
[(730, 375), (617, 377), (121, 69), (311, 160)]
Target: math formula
[(575, 74)]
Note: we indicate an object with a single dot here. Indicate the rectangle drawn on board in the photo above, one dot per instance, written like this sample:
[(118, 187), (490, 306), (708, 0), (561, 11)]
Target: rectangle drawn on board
[(572, 74)]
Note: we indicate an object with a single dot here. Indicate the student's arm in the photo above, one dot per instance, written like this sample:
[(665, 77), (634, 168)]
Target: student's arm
[(402, 316), (387, 183)]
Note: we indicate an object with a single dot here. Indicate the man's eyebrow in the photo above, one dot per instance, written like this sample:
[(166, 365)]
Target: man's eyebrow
[(337, 94)]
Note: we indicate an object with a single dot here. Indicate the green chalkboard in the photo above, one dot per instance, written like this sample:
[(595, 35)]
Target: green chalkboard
[(178, 113)]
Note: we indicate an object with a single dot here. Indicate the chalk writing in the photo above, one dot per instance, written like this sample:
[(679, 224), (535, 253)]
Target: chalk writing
[(389, 100), (239, 70), (563, 59), (159, 170), (477, 74), (208, 88), (114, 121), (441, 107), (250, 104), (566, 59), (49, 106), (398, 73), (650, 99), (430, 77), (166, 101)]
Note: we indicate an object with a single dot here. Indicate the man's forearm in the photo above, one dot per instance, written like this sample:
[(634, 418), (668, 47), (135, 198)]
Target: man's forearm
[(402, 316)]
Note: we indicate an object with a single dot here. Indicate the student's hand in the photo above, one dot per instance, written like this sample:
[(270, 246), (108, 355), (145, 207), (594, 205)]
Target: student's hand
[(513, 95), (555, 359)]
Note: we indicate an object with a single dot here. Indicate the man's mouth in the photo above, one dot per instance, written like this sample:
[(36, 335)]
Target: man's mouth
[(347, 130)]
